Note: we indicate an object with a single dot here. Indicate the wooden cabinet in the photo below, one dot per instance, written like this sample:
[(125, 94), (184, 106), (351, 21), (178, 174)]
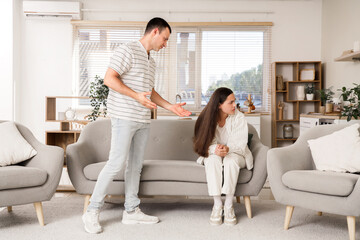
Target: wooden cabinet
[(288, 97)]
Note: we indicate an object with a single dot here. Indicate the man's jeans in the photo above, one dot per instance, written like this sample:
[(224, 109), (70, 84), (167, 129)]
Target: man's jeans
[(128, 140)]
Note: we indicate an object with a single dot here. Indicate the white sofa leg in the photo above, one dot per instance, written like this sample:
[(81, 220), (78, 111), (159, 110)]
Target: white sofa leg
[(351, 227), (319, 213), (288, 215), (9, 208), (86, 202), (39, 213), (248, 206)]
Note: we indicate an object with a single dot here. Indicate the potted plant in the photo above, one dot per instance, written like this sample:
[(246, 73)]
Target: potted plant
[(98, 96), (351, 107), (345, 95), (310, 90), (325, 96)]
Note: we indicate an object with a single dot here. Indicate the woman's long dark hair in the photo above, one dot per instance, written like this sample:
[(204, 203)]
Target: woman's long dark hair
[(205, 125)]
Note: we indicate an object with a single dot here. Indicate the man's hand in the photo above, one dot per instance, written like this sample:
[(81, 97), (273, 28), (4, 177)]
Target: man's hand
[(221, 150), (178, 110), (141, 98)]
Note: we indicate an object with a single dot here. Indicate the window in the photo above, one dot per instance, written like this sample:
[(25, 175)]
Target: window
[(196, 62)]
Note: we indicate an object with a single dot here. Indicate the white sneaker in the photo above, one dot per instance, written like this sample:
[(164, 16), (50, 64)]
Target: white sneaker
[(229, 216), (91, 221), (138, 217), (216, 216)]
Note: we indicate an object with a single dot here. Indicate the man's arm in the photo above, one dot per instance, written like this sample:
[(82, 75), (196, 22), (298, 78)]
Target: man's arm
[(175, 108), (113, 80)]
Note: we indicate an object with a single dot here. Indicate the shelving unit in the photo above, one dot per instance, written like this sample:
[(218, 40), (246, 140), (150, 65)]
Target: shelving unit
[(64, 136), (293, 107)]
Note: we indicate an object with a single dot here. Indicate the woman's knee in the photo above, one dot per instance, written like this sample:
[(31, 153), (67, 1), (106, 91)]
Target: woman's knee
[(233, 160)]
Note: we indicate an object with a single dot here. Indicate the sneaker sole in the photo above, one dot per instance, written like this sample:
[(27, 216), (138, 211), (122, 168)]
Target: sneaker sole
[(230, 223), (130, 222), (87, 230), (215, 223)]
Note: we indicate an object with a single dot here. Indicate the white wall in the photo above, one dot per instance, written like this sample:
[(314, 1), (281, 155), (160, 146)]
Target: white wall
[(47, 44), (6, 61), (340, 28)]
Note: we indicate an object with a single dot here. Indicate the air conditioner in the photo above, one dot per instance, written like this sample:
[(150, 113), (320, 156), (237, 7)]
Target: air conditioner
[(52, 8)]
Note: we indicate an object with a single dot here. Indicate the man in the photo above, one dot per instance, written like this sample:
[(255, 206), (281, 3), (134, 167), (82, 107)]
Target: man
[(130, 78)]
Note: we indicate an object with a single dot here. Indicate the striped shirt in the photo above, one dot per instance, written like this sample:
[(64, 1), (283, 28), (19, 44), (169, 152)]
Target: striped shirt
[(137, 71)]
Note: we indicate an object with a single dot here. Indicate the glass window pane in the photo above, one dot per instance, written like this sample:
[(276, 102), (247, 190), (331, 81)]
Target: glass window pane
[(185, 64), (232, 59)]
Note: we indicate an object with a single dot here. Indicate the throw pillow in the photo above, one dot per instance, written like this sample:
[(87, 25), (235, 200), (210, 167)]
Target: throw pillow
[(13, 147), (339, 151)]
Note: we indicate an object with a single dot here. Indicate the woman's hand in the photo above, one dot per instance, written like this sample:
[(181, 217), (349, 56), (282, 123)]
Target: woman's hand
[(221, 150)]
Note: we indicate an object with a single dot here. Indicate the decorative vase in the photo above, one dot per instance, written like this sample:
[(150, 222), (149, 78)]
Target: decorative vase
[(310, 96), (322, 109), (70, 114), (328, 108), (280, 83), (288, 131), (300, 92)]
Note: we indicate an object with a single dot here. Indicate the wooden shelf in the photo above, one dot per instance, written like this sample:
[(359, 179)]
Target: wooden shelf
[(355, 56), (69, 121), (303, 100), (288, 120), (65, 135), (305, 81), (59, 131), (292, 108)]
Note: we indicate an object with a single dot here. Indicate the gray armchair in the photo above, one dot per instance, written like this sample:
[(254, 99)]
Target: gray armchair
[(170, 166), (295, 181), (34, 180)]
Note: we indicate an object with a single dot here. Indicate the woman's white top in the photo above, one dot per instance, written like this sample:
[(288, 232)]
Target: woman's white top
[(237, 131), (221, 134)]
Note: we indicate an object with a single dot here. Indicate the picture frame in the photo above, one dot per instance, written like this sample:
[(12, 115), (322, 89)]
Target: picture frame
[(307, 75)]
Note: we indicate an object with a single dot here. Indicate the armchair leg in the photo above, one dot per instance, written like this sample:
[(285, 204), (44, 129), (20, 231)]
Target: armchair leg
[(9, 208), (351, 227), (86, 202), (288, 215), (248, 206), (238, 199), (319, 213), (39, 212)]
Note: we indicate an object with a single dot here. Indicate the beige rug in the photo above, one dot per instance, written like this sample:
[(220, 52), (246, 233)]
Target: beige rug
[(183, 219)]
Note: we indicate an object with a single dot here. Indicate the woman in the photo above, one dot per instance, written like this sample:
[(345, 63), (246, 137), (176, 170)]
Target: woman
[(221, 135)]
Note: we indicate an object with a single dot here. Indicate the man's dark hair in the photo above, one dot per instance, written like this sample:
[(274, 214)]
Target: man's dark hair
[(159, 23)]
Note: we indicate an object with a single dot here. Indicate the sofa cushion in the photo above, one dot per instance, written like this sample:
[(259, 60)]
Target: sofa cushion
[(21, 177), (14, 148), (165, 170), (338, 151), (330, 183)]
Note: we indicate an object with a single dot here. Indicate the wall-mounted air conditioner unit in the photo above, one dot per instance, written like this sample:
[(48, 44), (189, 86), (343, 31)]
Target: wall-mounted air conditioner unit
[(52, 8)]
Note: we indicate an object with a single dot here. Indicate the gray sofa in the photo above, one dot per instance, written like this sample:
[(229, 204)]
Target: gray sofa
[(170, 166), (34, 180), (295, 181)]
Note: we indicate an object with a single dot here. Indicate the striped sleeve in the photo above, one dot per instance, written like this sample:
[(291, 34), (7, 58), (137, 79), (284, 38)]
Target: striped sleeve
[(121, 61)]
